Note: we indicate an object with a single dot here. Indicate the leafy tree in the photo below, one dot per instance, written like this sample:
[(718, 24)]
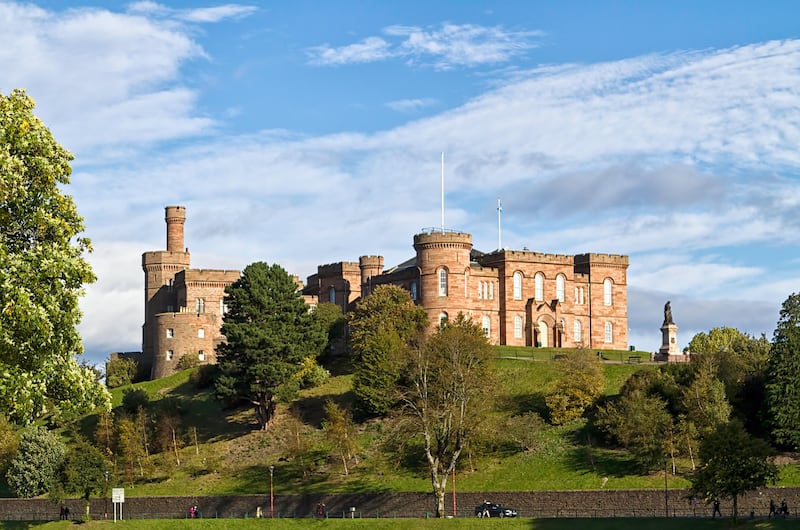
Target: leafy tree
[(732, 463), (130, 447), (134, 399), (578, 387), (382, 326), (446, 390), (83, 473), (8, 444), (641, 424), (704, 399), (340, 430), (333, 321), (42, 273), (104, 434), (269, 331), (39, 455), (120, 372), (783, 376)]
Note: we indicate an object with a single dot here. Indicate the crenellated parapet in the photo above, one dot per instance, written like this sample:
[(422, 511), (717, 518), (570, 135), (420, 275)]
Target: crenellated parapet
[(340, 268)]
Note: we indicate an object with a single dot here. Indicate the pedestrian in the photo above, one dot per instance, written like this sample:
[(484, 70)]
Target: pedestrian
[(784, 508), (772, 509), (61, 515), (716, 508), (259, 513), (191, 512), (66, 513)]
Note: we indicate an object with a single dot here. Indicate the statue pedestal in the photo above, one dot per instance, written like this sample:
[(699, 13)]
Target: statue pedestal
[(669, 351)]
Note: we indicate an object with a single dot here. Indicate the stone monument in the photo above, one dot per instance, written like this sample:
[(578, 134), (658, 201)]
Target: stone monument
[(669, 339)]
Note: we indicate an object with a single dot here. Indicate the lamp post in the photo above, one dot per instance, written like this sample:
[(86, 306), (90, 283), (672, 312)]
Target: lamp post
[(271, 497), (666, 495), (105, 497)]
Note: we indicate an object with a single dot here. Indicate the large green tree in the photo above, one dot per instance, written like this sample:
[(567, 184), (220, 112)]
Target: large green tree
[(84, 472), (446, 389), (42, 273), (382, 327), (38, 458), (579, 384), (732, 463), (269, 330), (783, 376)]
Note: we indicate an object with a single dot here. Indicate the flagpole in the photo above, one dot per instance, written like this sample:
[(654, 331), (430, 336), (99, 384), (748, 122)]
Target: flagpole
[(499, 233), (443, 192)]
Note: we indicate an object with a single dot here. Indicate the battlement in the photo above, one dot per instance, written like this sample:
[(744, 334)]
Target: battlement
[(370, 261), (618, 260), (207, 275), (160, 257), (433, 238), (338, 269)]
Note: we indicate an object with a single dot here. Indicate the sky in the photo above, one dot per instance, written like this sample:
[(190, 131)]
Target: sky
[(303, 133)]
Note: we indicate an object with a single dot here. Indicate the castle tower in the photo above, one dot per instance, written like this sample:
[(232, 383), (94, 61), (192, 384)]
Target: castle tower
[(370, 266), (443, 259), (160, 268)]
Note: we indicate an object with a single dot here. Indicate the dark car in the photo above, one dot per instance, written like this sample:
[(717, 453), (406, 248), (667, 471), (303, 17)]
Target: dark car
[(491, 509)]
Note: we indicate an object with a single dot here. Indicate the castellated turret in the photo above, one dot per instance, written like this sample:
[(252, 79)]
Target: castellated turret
[(371, 266)]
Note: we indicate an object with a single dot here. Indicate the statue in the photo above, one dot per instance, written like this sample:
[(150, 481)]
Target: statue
[(668, 314)]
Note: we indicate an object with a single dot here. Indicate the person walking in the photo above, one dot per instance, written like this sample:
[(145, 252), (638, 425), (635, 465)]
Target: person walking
[(716, 509)]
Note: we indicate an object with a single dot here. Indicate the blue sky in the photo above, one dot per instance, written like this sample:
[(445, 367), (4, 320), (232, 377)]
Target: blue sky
[(305, 133)]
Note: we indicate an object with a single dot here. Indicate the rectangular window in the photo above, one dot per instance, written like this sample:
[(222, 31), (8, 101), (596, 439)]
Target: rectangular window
[(170, 308), (201, 355), (201, 333), (517, 327), (442, 282), (169, 355), (170, 333)]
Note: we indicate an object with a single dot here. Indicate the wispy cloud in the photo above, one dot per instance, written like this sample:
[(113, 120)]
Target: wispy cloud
[(446, 47), (410, 105), (199, 15)]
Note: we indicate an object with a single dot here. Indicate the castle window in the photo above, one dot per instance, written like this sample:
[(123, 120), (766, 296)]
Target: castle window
[(560, 284), (442, 318), (332, 295), (517, 286), (517, 327), (485, 290), (539, 286), (170, 333), (491, 290), (442, 282), (201, 333), (487, 326), (170, 308), (414, 291), (201, 355), (577, 332), (200, 305), (607, 291), (480, 290), (169, 355), (223, 307), (609, 334), (169, 286)]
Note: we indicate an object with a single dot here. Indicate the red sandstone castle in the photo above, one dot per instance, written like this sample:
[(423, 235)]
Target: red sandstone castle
[(520, 298)]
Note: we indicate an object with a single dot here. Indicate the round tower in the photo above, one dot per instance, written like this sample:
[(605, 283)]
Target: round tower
[(370, 266), (442, 259), (175, 216)]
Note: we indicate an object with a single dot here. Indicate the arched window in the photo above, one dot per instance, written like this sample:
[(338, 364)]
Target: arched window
[(539, 286), (609, 335), (577, 332), (442, 318), (560, 285), (332, 295), (607, 285), (413, 290), (442, 282), (517, 286), (517, 327), (487, 326)]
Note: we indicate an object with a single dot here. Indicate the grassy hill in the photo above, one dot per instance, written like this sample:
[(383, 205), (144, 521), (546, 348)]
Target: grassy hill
[(225, 454)]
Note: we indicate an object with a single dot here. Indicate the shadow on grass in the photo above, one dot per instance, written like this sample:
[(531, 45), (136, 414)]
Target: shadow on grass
[(311, 410), (520, 404)]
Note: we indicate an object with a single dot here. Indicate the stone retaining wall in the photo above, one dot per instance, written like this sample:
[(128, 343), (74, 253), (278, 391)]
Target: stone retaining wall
[(583, 503)]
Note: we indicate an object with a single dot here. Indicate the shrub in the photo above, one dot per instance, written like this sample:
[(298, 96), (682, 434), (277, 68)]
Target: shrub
[(133, 399), (120, 372), (204, 376)]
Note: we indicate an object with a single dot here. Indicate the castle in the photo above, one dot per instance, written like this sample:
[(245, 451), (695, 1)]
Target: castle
[(520, 298)]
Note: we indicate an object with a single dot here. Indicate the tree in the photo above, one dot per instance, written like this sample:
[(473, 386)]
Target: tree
[(783, 376), (83, 473), (8, 444), (39, 455), (341, 431), (382, 326), (333, 321), (42, 273), (446, 390), (704, 399), (732, 463), (120, 372), (269, 331), (580, 384)]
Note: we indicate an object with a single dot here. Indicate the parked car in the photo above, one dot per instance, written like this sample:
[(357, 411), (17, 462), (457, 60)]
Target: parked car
[(491, 509)]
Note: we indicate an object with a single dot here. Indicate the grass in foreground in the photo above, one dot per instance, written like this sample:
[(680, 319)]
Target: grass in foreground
[(418, 524)]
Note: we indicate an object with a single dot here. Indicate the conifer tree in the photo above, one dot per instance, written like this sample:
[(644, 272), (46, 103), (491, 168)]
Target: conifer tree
[(783, 376)]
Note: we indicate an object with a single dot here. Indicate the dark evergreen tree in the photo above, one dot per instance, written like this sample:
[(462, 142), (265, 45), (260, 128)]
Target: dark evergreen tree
[(269, 331), (381, 328), (783, 376)]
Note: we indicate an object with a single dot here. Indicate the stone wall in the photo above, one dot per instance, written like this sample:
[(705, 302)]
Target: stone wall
[(591, 503)]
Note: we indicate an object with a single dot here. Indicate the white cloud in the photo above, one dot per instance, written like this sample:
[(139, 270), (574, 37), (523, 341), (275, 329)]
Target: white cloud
[(449, 46), (199, 15), (410, 105)]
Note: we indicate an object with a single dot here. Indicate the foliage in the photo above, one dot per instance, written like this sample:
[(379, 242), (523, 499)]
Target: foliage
[(446, 389), (578, 387), (732, 463), (332, 320), (42, 272), (341, 431), (269, 332), (104, 433), (524, 430), (82, 473), (39, 455), (382, 326), (189, 360), (130, 447), (783, 376), (311, 374), (134, 399), (8, 444), (704, 399), (120, 372), (204, 377), (641, 424)]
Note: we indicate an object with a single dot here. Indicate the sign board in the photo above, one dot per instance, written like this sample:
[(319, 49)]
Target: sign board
[(117, 495)]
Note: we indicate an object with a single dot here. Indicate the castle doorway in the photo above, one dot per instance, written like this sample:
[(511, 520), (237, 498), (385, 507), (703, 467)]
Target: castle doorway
[(542, 334)]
